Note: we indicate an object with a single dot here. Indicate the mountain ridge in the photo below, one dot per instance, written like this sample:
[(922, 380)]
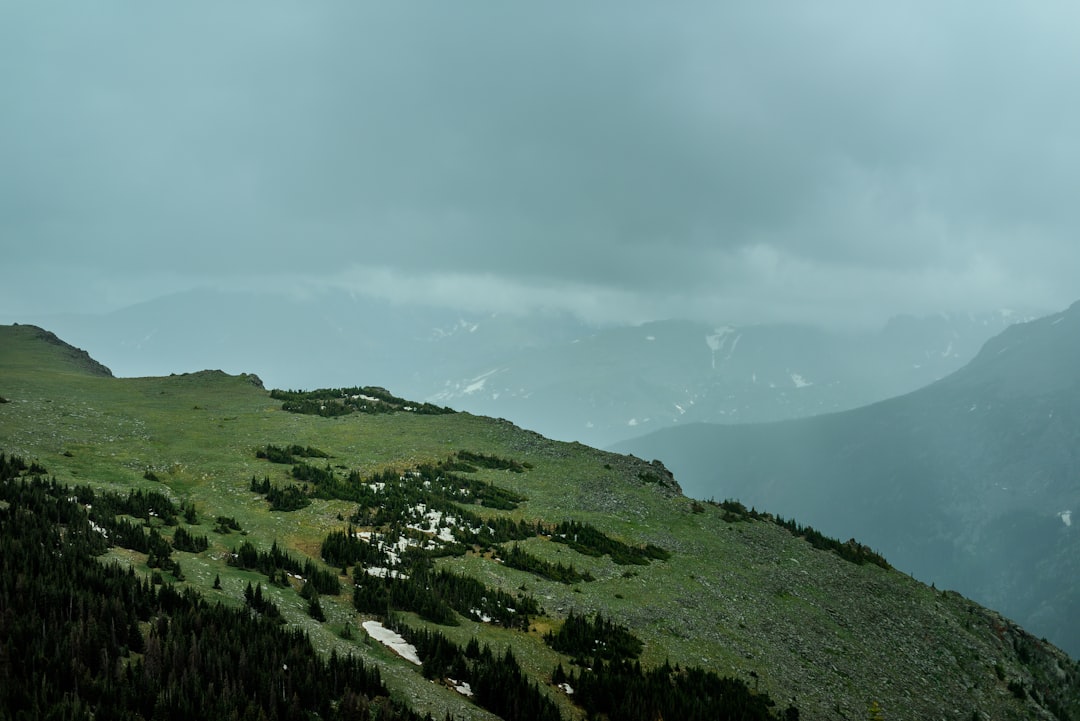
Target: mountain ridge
[(975, 467), (739, 594), (546, 371)]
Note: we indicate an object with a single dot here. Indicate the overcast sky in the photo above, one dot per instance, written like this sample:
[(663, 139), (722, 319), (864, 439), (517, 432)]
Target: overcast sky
[(838, 161)]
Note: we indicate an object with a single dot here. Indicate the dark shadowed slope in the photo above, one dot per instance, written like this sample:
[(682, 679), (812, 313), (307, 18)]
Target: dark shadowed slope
[(970, 482)]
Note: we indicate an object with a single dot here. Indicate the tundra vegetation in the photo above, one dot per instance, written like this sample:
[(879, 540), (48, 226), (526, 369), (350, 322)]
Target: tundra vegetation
[(147, 571)]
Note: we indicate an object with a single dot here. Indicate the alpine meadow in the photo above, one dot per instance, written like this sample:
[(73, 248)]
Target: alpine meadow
[(198, 546)]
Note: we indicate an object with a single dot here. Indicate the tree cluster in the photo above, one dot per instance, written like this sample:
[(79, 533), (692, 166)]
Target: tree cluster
[(598, 638), (312, 474), (435, 594), (622, 689), (852, 551), (484, 460), (226, 525), (590, 541), (288, 454), (497, 681), (330, 402), (275, 563), (281, 498), (519, 558), (184, 540), (259, 603)]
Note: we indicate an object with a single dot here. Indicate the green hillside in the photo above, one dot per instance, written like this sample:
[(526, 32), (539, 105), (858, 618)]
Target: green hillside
[(598, 554)]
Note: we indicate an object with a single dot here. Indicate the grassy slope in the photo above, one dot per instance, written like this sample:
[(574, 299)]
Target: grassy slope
[(740, 598)]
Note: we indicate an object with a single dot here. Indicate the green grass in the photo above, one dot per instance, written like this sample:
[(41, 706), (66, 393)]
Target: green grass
[(736, 598)]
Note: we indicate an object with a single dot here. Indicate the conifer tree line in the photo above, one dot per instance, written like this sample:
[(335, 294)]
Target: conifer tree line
[(330, 402), (851, 551), (226, 525), (289, 454), (616, 689), (519, 558), (275, 563), (435, 594), (496, 679), (388, 498), (282, 498), (622, 689), (590, 541), (438, 481), (110, 516), (597, 639), (80, 639)]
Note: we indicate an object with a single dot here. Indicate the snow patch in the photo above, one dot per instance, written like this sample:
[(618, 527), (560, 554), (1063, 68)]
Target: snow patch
[(477, 385), (465, 388), (1066, 517), (799, 381), (1057, 320), (462, 687), (393, 641), (718, 340)]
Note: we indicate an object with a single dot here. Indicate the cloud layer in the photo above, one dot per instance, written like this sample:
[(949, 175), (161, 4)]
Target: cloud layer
[(836, 161)]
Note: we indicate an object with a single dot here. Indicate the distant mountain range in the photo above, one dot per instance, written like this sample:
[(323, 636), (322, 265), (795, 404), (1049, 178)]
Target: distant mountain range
[(617, 383), (547, 372), (971, 482)]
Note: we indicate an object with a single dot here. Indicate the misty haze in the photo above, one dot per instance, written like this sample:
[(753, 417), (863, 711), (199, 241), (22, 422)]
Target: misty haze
[(682, 297)]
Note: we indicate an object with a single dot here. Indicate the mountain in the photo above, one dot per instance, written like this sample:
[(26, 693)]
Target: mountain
[(547, 372), (544, 578), (303, 340), (615, 383), (970, 482)]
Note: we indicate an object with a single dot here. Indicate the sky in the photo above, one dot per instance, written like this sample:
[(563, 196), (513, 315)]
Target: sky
[(832, 162)]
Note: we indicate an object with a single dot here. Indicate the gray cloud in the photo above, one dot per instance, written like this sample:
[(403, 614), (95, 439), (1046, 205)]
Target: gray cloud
[(835, 161)]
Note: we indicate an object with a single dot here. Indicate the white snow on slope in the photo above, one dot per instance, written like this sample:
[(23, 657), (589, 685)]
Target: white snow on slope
[(392, 641), (465, 388), (462, 687)]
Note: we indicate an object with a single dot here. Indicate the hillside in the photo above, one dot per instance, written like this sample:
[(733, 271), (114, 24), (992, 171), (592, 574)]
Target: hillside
[(970, 482), (714, 591)]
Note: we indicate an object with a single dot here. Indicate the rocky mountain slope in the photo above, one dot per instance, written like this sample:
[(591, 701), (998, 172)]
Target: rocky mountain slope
[(820, 629), (970, 482)]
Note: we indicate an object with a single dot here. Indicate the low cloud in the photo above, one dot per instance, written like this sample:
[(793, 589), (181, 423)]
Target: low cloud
[(839, 162)]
